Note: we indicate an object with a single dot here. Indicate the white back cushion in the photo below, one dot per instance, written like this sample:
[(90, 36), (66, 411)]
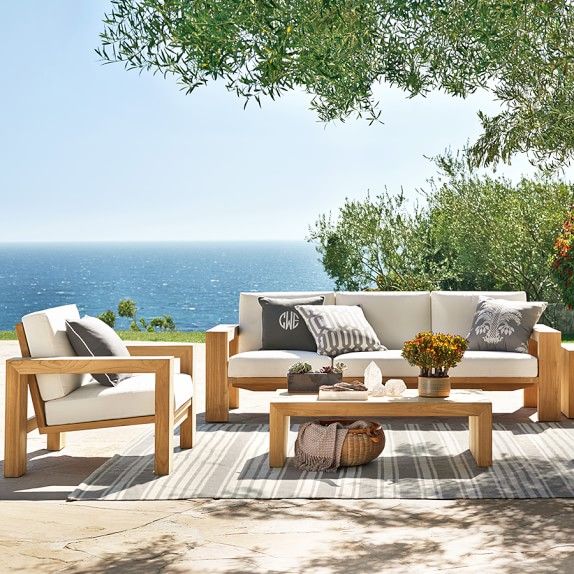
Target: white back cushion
[(452, 311), (46, 335), (250, 314), (395, 316)]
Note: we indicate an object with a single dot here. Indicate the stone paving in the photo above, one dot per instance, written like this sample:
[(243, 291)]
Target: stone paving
[(40, 532)]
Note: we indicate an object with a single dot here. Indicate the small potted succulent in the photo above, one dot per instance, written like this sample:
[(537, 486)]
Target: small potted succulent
[(434, 354), (302, 379)]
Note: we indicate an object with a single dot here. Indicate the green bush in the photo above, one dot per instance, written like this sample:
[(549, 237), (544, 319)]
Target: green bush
[(108, 317), (563, 262), (127, 308), (470, 232)]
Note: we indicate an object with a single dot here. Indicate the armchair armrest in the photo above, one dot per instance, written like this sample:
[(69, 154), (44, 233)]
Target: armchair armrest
[(181, 351), (82, 365)]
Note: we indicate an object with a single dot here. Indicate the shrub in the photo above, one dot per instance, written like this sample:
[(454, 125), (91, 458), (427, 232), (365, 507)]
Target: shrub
[(471, 233), (108, 317), (379, 243), (127, 308), (563, 263)]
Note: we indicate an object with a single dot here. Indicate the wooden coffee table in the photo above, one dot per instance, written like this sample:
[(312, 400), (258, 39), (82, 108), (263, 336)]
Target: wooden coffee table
[(471, 404)]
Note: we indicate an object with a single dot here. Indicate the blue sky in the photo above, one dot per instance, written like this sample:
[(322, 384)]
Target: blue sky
[(92, 152)]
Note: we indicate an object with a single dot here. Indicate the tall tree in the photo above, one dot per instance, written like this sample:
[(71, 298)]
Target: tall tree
[(338, 51)]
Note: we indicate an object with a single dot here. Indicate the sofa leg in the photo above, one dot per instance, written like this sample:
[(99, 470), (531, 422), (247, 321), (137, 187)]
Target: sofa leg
[(187, 428), (56, 441), (549, 409), (233, 397), (531, 397), (216, 383), (549, 373)]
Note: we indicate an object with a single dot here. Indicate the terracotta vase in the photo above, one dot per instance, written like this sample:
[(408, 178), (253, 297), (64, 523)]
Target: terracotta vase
[(434, 386)]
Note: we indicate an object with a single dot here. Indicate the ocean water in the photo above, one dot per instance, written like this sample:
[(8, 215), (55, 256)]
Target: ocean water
[(198, 283)]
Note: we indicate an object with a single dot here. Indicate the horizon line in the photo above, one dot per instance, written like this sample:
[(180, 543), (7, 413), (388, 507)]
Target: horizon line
[(110, 241)]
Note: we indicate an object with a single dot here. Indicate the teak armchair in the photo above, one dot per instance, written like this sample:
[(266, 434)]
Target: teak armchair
[(21, 375)]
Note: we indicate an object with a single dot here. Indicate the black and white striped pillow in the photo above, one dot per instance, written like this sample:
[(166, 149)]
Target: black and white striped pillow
[(339, 329)]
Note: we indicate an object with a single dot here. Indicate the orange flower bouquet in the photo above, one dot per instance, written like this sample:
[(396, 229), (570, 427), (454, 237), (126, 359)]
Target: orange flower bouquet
[(434, 353)]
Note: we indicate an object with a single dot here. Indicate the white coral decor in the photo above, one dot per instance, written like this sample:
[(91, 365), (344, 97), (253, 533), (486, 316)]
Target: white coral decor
[(395, 387), (374, 380)]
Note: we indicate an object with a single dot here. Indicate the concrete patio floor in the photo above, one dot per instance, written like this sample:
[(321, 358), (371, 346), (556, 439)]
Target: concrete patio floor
[(41, 532)]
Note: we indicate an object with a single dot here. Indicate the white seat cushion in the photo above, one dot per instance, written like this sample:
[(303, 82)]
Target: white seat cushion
[(272, 363), (452, 311), (474, 364), (133, 397), (250, 314), (395, 316), (46, 335)]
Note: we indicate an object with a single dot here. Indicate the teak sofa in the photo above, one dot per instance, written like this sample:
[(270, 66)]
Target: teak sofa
[(234, 359)]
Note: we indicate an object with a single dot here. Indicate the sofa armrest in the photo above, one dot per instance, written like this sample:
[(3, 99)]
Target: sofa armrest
[(220, 343), (231, 330), (541, 330), (181, 351), (546, 344), (223, 335)]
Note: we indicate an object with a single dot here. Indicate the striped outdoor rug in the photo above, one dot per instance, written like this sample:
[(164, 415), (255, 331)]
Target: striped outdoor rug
[(420, 460)]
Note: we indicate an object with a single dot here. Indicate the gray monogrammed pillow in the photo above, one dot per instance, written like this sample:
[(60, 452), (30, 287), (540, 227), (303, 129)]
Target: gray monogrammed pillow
[(282, 327), (339, 329), (500, 325), (91, 337)]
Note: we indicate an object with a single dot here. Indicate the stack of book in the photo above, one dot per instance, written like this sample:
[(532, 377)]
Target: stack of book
[(354, 391)]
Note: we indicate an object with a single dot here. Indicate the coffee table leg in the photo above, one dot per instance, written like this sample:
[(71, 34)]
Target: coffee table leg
[(278, 435), (480, 434)]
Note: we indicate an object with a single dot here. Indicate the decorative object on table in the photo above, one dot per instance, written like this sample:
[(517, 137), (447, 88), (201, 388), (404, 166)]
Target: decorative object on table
[(344, 391), (434, 354), (395, 387), (500, 325), (339, 329), (373, 378), (302, 379), (282, 327), (328, 445)]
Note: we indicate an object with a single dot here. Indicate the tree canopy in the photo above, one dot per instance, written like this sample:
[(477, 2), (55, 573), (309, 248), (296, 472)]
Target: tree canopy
[(339, 51)]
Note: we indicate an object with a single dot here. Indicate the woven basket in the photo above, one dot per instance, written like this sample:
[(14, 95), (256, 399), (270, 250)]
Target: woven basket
[(361, 445)]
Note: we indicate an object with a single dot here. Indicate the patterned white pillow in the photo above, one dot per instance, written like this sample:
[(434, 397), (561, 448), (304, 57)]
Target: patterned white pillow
[(339, 329), (501, 325)]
